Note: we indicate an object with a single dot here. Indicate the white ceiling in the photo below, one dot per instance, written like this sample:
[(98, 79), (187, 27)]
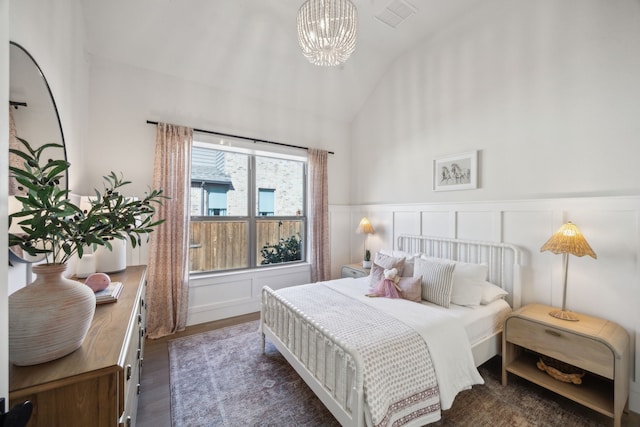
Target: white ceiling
[(249, 47)]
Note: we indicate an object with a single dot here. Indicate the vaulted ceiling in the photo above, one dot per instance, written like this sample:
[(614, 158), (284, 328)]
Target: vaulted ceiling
[(249, 47)]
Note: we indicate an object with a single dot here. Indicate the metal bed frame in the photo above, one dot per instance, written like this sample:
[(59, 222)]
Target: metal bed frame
[(310, 349)]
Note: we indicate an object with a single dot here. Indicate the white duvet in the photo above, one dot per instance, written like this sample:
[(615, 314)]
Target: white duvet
[(444, 334)]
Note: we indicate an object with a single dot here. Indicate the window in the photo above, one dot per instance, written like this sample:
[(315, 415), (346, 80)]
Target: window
[(265, 201), (247, 207)]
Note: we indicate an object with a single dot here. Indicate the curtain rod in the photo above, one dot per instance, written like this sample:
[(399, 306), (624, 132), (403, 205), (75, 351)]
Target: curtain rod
[(243, 137)]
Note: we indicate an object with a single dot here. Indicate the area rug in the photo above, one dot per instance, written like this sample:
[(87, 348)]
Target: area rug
[(222, 378)]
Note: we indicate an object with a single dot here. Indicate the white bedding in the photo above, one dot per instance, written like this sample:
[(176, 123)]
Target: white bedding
[(448, 333), (479, 322), (444, 333)]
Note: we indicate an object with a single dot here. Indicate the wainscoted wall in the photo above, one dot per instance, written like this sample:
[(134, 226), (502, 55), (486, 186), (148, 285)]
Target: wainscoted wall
[(608, 286), (227, 295)]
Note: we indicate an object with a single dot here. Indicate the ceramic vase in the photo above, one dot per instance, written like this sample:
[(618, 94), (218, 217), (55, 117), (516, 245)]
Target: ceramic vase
[(49, 318), (114, 260)]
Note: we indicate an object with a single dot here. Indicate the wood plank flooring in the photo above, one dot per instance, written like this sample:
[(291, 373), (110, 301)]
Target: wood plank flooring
[(154, 402)]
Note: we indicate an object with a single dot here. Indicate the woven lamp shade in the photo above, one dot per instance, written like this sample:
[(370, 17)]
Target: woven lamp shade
[(364, 227), (568, 240)]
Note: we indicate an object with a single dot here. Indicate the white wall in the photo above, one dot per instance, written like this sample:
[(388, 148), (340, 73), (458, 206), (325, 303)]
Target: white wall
[(547, 90), (53, 33), (123, 98), (4, 173), (607, 287)]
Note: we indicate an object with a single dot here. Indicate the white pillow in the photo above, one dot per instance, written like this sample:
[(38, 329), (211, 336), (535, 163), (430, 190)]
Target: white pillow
[(466, 292), (437, 280), (491, 293), (467, 278)]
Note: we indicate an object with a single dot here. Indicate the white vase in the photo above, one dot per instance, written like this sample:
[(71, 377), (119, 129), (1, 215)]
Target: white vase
[(86, 266), (49, 318), (114, 260)]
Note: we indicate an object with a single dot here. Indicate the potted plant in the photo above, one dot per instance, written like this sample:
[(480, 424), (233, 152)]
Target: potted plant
[(53, 226), (366, 263)]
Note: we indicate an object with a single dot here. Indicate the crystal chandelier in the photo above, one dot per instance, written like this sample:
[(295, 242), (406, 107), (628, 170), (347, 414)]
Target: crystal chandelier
[(327, 31)]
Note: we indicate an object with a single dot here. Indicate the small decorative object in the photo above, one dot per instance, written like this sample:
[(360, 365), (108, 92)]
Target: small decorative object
[(50, 318), (367, 259), (567, 240), (365, 227), (86, 266), (388, 287), (114, 260), (560, 371), (109, 294), (98, 281), (458, 172)]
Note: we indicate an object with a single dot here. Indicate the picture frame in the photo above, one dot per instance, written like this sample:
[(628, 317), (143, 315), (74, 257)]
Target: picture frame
[(456, 172)]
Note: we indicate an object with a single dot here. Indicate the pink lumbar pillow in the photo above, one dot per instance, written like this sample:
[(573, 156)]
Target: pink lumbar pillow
[(98, 281)]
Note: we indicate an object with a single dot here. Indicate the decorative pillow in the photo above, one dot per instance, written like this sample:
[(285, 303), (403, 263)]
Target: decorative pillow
[(409, 259), (466, 281), (376, 275), (387, 261), (437, 280), (411, 288), (491, 293)]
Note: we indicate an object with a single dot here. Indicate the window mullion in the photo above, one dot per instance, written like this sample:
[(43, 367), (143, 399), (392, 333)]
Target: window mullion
[(253, 239)]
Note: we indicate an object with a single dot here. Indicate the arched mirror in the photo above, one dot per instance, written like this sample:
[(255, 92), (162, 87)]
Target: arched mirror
[(33, 116)]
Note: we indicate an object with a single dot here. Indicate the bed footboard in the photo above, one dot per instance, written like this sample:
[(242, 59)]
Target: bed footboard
[(329, 367)]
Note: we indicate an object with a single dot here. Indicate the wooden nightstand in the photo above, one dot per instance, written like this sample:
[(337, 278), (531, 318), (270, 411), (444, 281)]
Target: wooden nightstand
[(355, 270), (598, 346)]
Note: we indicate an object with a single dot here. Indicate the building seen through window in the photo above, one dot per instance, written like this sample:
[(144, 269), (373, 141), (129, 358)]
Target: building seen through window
[(247, 208)]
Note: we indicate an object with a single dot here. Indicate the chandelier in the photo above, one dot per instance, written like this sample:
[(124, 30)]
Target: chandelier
[(327, 31)]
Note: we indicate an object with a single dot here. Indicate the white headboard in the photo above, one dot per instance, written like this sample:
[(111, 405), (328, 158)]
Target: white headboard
[(503, 259)]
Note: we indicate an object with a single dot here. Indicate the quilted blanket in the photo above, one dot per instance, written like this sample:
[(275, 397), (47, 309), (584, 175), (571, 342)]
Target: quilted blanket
[(400, 384)]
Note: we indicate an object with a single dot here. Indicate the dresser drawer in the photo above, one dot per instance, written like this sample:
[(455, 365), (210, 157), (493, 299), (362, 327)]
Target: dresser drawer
[(575, 349)]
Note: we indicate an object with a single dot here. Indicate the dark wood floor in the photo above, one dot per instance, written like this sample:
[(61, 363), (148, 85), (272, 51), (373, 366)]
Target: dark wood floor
[(154, 401)]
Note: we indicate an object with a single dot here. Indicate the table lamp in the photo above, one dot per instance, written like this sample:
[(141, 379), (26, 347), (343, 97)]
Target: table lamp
[(365, 228), (567, 240)]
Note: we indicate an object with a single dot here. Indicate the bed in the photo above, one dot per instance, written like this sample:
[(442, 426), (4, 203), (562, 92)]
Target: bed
[(346, 345)]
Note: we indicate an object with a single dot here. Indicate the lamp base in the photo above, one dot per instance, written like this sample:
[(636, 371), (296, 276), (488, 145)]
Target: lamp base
[(564, 315)]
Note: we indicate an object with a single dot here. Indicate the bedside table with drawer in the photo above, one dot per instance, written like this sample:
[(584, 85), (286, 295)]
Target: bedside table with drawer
[(354, 270), (597, 346)]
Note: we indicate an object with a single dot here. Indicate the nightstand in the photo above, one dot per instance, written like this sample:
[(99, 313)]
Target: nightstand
[(598, 346), (355, 270)]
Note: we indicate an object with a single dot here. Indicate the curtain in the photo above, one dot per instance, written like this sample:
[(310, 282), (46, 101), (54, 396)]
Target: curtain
[(319, 216), (168, 272)]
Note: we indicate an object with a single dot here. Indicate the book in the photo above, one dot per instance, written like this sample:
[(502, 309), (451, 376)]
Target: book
[(109, 294)]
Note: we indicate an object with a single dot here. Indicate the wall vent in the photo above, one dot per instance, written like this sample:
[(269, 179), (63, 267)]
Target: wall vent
[(395, 13)]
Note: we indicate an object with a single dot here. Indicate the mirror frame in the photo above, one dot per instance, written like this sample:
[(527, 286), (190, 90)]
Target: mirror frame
[(13, 256)]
